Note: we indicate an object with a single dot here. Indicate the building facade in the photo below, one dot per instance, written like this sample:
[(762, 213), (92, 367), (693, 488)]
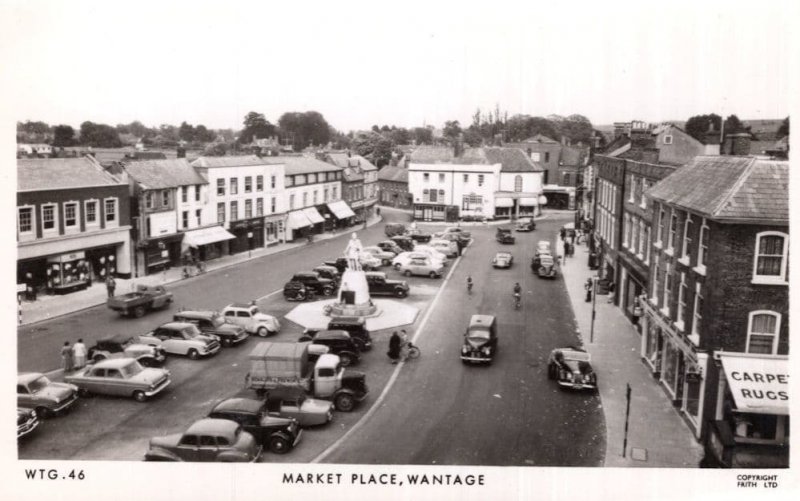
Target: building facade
[(609, 191), (359, 182), (393, 187), (73, 224), (312, 196), (716, 314)]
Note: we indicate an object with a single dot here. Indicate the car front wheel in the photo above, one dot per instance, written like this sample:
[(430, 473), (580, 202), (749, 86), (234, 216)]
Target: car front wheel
[(43, 412), (345, 402), (397, 267), (139, 396), (138, 312), (400, 293), (262, 332), (193, 354), (407, 273), (279, 444), (433, 274)]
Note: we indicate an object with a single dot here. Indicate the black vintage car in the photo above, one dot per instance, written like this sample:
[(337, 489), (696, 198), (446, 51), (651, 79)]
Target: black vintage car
[(418, 235), (393, 229), (480, 340), (525, 225), (332, 273), (572, 368), (315, 282), (278, 434), (339, 343), (355, 326), (125, 346), (390, 246), (211, 322), (403, 242), (339, 263), (504, 236), (297, 291), (379, 285)]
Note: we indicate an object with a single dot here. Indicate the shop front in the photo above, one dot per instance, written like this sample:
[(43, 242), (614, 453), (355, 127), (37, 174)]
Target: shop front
[(208, 243), (297, 225), (342, 213), (273, 229), (560, 197), (751, 422), (503, 207), (248, 235), (160, 253), (430, 212), (317, 221)]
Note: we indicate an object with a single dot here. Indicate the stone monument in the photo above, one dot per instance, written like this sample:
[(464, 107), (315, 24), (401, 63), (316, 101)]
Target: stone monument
[(353, 298)]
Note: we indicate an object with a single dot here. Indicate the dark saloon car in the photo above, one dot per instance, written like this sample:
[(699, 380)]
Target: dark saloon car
[(379, 285), (329, 272), (525, 225), (26, 421), (338, 341), (480, 340), (572, 368), (504, 236), (403, 242), (125, 346), (390, 246), (392, 229), (312, 280), (278, 434), (211, 322), (355, 326), (297, 291), (418, 235), (207, 440)]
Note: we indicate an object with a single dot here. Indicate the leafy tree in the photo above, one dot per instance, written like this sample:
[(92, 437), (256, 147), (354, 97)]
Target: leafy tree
[(422, 135), (186, 132), (373, 146), (99, 135), (216, 150), (304, 128), (256, 126), (699, 125), (472, 137), (733, 125), (451, 129), (40, 128), (203, 135), (63, 135), (783, 130), (400, 135), (577, 128)]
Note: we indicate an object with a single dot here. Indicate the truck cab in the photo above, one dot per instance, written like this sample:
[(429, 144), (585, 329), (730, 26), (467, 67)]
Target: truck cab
[(331, 381)]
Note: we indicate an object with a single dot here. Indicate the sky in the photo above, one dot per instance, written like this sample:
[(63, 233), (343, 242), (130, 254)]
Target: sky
[(359, 63)]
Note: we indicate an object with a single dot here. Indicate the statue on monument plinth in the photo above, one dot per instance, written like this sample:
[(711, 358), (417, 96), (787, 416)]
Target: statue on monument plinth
[(353, 253)]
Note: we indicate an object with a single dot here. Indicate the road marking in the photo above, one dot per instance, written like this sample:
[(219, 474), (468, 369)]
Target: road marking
[(268, 295), (395, 373)]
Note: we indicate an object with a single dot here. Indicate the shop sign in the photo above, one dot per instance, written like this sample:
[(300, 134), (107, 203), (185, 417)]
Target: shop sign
[(64, 258), (757, 384), (21, 288)]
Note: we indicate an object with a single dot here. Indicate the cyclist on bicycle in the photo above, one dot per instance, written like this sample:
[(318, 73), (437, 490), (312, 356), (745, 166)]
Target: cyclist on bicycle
[(469, 283), (517, 294)]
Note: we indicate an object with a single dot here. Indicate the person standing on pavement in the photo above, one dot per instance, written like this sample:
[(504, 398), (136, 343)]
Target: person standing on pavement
[(394, 347), (110, 285), (66, 357), (79, 353), (589, 285), (611, 288)]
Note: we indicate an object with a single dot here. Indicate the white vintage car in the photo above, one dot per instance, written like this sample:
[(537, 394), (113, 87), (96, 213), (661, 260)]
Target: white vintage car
[(378, 253), (404, 258), (252, 319), (433, 253), (446, 247), (182, 338)]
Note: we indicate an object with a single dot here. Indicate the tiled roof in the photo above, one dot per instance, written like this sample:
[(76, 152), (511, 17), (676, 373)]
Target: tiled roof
[(238, 161), (540, 138), (158, 174), (296, 164), (344, 160), (392, 173), (351, 174), (35, 174), (512, 160), (444, 155), (729, 188)]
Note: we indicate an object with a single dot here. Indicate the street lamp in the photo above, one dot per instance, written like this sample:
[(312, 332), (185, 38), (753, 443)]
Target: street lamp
[(594, 303)]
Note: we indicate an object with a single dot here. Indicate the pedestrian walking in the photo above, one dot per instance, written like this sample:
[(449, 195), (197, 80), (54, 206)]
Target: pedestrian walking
[(66, 357), (79, 354), (569, 245), (637, 310), (110, 285), (611, 288), (589, 285)]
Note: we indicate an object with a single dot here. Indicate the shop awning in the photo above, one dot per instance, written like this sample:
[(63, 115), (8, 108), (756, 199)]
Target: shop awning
[(341, 210), (205, 236), (503, 202), (313, 215), (297, 219), (528, 202), (759, 385)]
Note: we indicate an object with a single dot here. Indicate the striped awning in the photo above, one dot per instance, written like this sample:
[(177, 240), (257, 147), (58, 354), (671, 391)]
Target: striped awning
[(341, 210)]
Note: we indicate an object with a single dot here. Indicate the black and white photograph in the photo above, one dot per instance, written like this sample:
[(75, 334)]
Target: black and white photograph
[(409, 250)]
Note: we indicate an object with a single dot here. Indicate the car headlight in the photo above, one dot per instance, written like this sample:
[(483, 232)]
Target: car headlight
[(33, 414), (569, 376), (486, 350), (464, 349)]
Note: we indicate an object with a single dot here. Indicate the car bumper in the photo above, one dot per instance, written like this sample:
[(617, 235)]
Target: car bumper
[(27, 427), (66, 404), (206, 351), (237, 339), (470, 357), (297, 437), (577, 386), (258, 454), (158, 389)]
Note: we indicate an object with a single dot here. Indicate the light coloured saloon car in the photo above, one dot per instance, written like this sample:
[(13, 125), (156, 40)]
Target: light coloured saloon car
[(121, 377), (446, 247), (404, 258), (252, 319), (35, 391), (423, 267), (384, 256), (182, 338)]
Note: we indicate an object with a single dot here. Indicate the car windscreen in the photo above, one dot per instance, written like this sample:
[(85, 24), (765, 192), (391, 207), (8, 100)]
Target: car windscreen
[(217, 320), (577, 356), (190, 331), (38, 384), (478, 335), (131, 369)]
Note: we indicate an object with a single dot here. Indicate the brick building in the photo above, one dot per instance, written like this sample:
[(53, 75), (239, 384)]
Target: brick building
[(716, 317), (393, 187), (609, 191), (73, 224)]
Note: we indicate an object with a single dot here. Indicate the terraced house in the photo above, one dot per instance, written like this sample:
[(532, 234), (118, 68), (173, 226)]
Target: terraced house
[(716, 315)]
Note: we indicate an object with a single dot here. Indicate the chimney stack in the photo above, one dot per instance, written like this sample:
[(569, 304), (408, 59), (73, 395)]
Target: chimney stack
[(737, 144)]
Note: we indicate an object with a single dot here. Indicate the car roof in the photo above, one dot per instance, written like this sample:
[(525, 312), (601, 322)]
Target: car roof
[(240, 305), (114, 338), (375, 274), (211, 426), (239, 405), (327, 361), (114, 363), (331, 334), (196, 313), (503, 254), (28, 377), (348, 320), (175, 325), (484, 320)]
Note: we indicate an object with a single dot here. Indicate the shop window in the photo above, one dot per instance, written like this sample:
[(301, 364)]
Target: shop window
[(110, 210), (184, 194), (70, 215), (90, 212), (220, 187), (221, 212), (165, 198), (185, 219), (692, 398), (25, 220), (234, 186), (762, 332), (259, 207), (197, 188), (234, 210), (670, 365), (150, 200), (770, 258), (248, 209), (248, 184)]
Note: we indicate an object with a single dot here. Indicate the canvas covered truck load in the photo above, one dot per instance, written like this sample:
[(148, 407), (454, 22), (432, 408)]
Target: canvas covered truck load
[(137, 303), (279, 364)]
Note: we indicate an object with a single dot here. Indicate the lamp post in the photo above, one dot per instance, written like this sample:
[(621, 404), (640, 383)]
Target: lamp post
[(594, 303)]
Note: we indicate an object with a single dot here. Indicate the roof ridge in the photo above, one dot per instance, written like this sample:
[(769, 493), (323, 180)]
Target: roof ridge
[(748, 169)]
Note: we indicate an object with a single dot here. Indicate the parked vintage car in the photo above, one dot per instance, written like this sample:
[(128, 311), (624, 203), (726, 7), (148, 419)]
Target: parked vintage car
[(355, 326), (572, 368), (125, 346), (379, 285), (182, 338), (446, 247), (330, 272), (433, 253), (502, 260), (405, 258), (340, 263), (458, 231), (35, 391), (525, 225), (213, 440), (26, 421), (338, 341), (504, 236), (393, 229), (211, 322), (138, 303), (278, 434), (313, 280), (542, 247), (480, 340), (403, 242), (418, 235), (297, 291), (390, 246), (122, 377), (544, 265), (294, 403), (423, 266), (252, 319), (382, 255)]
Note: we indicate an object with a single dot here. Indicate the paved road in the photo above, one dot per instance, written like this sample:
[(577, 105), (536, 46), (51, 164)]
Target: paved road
[(504, 414), (442, 412)]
